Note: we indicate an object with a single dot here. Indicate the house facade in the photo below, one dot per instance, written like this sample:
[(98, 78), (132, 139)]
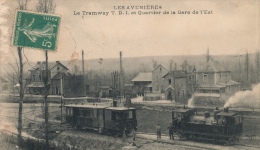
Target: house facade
[(177, 86), (215, 83), (158, 85), (55, 73)]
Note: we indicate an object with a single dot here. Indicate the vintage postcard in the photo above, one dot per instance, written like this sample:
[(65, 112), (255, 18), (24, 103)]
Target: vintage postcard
[(129, 74)]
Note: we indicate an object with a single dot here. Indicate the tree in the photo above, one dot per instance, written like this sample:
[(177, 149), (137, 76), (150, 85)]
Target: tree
[(46, 6), (208, 56), (257, 64), (22, 6), (143, 67), (154, 63), (247, 66), (171, 62)]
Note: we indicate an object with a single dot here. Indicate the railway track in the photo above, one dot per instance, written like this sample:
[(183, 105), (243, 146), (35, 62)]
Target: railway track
[(185, 144)]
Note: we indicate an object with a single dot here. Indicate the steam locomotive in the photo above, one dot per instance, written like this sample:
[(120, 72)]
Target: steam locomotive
[(104, 119), (223, 126)]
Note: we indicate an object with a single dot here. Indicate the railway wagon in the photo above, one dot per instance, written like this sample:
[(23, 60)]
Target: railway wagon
[(102, 118), (223, 126)]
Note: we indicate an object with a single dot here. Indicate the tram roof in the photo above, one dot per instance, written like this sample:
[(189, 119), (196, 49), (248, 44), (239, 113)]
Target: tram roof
[(227, 114), (182, 110), (120, 108), (86, 106)]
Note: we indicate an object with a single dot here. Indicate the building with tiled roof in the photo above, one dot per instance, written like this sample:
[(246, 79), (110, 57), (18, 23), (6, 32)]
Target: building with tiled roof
[(143, 77), (157, 78), (214, 78), (177, 85), (56, 70), (141, 81), (212, 67)]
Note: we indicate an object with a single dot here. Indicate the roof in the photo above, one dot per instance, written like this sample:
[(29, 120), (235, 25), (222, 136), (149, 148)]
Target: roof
[(41, 65), (230, 82), (226, 114), (159, 66), (143, 77), (177, 74), (36, 84), (182, 110), (211, 86), (119, 108), (207, 95), (212, 67), (169, 87), (98, 106)]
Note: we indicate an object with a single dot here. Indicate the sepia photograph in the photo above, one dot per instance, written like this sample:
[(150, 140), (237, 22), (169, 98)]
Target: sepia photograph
[(129, 74)]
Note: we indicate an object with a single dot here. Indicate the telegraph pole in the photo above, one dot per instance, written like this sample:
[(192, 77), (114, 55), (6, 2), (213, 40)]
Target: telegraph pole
[(114, 76), (121, 77), (83, 67)]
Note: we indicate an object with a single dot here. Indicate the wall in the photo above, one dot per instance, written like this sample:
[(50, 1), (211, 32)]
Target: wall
[(157, 80), (210, 80), (57, 68), (223, 76)]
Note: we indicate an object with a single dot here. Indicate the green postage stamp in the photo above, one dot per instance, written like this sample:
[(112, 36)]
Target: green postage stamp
[(36, 30)]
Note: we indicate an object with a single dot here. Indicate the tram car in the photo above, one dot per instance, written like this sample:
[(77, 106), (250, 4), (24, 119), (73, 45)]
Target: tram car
[(104, 119), (222, 127)]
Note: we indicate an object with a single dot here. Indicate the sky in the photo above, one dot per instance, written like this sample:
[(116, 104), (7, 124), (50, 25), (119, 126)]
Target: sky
[(232, 28)]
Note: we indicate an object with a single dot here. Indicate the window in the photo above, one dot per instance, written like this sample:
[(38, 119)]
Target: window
[(160, 69), (220, 77), (58, 68), (33, 77), (130, 114), (69, 111), (86, 113), (205, 78), (40, 77), (118, 115), (100, 113), (170, 81)]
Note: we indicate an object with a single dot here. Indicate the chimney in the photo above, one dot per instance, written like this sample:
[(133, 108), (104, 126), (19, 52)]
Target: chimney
[(57, 61), (226, 109), (207, 114), (114, 103)]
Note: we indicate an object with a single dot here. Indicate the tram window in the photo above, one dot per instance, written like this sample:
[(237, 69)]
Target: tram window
[(113, 116), (94, 113), (81, 112), (130, 114), (69, 111), (100, 113), (118, 115), (88, 113)]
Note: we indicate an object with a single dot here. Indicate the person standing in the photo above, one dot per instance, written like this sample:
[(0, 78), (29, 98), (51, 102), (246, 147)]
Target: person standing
[(124, 134), (170, 128), (134, 133), (158, 128)]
